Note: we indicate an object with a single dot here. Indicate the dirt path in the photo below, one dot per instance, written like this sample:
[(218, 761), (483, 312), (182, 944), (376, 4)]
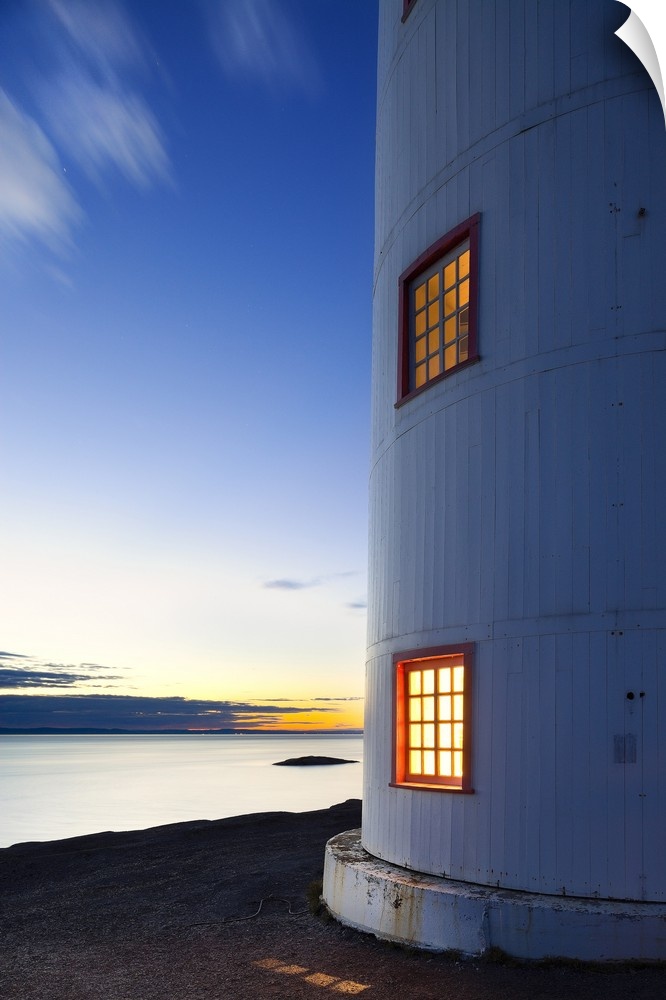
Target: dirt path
[(171, 914)]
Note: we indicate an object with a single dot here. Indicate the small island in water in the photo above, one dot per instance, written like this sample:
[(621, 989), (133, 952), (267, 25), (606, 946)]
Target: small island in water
[(311, 761)]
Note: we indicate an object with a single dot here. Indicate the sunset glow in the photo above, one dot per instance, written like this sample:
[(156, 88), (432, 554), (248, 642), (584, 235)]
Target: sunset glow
[(184, 284)]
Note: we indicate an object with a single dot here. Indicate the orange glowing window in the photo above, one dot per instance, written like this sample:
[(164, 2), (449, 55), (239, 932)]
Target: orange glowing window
[(438, 307), (432, 719)]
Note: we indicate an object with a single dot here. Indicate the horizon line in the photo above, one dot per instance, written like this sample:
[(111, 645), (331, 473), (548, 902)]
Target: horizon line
[(118, 731)]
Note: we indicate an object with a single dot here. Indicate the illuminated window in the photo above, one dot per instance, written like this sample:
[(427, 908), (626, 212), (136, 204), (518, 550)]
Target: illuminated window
[(432, 718), (438, 309)]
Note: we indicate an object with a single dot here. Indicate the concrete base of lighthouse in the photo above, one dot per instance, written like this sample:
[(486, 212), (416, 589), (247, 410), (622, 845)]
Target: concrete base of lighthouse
[(439, 914)]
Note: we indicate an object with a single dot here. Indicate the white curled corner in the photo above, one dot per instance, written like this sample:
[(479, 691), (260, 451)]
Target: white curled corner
[(646, 16)]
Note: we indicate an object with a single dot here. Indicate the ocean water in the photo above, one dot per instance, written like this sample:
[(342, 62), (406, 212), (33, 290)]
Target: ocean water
[(53, 787)]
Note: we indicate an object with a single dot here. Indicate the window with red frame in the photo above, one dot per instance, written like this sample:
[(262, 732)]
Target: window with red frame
[(432, 718), (406, 7), (438, 310)]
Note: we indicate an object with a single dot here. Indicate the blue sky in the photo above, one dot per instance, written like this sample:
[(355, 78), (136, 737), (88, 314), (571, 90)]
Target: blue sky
[(186, 225)]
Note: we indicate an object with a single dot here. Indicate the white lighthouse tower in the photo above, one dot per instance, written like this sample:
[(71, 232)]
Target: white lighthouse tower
[(515, 784)]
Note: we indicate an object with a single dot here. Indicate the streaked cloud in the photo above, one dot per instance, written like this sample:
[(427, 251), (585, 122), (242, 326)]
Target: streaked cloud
[(18, 678), (135, 712), (35, 199), (356, 697), (93, 108), (359, 605), (88, 110), (19, 671), (289, 583), (101, 31), (256, 40), (295, 701), (76, 709), (104, 126)]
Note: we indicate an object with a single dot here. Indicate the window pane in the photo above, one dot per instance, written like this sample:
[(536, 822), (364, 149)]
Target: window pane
[(433, 733), (439, 300), (415, 682), (420, 349)]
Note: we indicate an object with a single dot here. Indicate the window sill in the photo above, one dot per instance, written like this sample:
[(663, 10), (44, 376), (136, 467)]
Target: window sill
[(434, 381), (423, 787)]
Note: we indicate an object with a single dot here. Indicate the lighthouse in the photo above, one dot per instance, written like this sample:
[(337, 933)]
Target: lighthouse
[(515, 743)]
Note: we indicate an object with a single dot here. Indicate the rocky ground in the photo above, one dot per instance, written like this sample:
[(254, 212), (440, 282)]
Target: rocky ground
[(202, 910)]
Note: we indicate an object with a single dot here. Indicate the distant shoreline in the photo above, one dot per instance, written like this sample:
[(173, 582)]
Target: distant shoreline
[(89, 731)]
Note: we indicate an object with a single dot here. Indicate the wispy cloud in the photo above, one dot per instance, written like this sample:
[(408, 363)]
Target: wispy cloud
[(256, 40), (18, 671), (104, 127), (88, 110), (289, 583), (28, 709), (359, 605), (101, 32), (293, 701), (135, 712), (35, 199), (19, 678), (356, 697), (93, 109)]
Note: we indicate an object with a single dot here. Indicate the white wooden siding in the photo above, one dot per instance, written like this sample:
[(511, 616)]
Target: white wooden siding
[(519, 503)]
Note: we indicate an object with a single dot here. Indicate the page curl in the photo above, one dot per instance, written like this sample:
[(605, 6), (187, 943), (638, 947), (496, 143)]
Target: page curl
[(643, 32)]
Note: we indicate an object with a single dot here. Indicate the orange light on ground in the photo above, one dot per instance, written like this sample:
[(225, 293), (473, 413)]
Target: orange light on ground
[(348, 987)]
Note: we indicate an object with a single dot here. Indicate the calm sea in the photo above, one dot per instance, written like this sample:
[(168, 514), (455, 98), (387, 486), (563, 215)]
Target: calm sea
[(65, 786)]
